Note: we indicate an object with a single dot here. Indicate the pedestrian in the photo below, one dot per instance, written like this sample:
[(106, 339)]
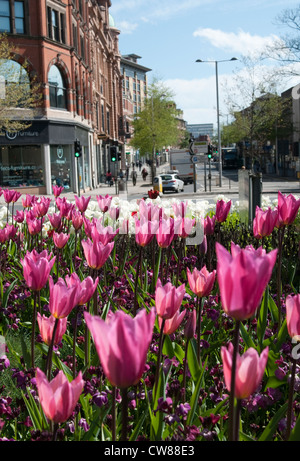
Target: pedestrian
[(144, 173), (109, 178), (140, 165), (133, 177)]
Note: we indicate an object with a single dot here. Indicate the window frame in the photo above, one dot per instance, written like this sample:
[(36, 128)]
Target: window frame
[(12, 18), (55, 90)]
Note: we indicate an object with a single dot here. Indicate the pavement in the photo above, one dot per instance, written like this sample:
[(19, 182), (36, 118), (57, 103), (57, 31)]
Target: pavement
[(230, 186)]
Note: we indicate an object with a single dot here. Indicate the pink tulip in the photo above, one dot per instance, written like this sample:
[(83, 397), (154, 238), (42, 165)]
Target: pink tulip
[(64, 207), (8, 195), (173, 323), (243, 276), (96, 254), (122, 344), (11, 231), (184, 226), (165, 232), (34, 225), (190, 326), (148, 211), (57, 190), (37, 268), (62, 298), (3, 235), (40, 208), (19, 216), (58, 397), (264, 222), (222, 210), (180, 209), (60, 239), (82, 203), (85, 288), (104, 202), (168, 299), (114, 213), (293, 316), (145, 231), (103, 234), (201, 282), (209, 225), (288, 208), (55, 220), (250, 368), (46, 326), (77, 220), (28, 201)]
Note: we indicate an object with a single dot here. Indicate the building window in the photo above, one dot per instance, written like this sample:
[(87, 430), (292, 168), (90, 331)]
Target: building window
[(19, 17), (56, 25), (12, 16), (102, 117), (57, 88), (17, 83)]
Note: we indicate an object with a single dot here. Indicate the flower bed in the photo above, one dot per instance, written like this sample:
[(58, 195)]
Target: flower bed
[(156, 320)]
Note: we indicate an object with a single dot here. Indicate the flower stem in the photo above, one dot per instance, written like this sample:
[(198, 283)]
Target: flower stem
[(50, 350), (74, 341), (136, 280), (185, 370), (161, 336), (232, 421), (113, 414), (199, 309), (33, 329), (290, 401), (124, 414)]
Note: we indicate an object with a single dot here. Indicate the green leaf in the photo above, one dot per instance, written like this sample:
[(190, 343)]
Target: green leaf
[(246, 337), (273, 424), (137, 427), (37, 415), (195, 396), (295, 434), (192, 360), (262, 317)]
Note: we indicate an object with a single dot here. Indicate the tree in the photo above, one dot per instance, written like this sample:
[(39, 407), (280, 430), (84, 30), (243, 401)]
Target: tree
[(259, 112), (156, 125), (20, 92)]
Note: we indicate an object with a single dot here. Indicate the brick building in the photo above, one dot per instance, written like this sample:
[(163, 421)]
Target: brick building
[(72, 48)]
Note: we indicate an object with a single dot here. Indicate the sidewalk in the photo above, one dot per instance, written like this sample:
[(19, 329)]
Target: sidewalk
[(229, 187)]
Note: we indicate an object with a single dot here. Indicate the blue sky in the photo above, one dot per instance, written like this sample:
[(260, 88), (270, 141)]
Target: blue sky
[(170, 35)]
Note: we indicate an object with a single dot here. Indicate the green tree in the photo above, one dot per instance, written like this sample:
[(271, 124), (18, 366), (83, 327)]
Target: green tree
[(20, 92), (260, 114), (156, 126)]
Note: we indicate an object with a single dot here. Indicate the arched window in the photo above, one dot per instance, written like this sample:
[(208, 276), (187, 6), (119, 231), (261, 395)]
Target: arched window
[(57, 88), (15, 83)]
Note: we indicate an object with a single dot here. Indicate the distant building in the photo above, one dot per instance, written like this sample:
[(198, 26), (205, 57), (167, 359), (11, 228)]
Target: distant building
[(134, 85), (198, 129), (72, 46)]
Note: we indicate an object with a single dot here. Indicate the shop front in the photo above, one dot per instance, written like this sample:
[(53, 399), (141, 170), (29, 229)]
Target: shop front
[(41, 156)]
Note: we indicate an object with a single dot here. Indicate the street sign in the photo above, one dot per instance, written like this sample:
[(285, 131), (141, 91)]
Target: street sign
[(200, 147), (195, 159)]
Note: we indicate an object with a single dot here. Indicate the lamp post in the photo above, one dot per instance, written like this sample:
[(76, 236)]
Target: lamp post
[(218, 114)]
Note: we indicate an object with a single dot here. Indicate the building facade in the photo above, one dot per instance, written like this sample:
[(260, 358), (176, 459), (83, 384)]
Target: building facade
[(134, 86), (72, 48), (198, 129)]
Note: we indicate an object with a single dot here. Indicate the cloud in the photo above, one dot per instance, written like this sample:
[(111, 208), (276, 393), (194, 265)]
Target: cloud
[(241, 42), (127, 27)]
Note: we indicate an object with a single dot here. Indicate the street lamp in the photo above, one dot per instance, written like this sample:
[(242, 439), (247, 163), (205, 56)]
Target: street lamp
[(218, 115)]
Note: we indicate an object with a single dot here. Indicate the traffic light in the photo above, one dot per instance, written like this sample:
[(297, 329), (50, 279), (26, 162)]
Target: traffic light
[(77, 149), (113, 154), (119, 156), (209, 153)]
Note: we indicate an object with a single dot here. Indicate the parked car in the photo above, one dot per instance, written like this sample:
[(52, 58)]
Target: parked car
[(171, 182)]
